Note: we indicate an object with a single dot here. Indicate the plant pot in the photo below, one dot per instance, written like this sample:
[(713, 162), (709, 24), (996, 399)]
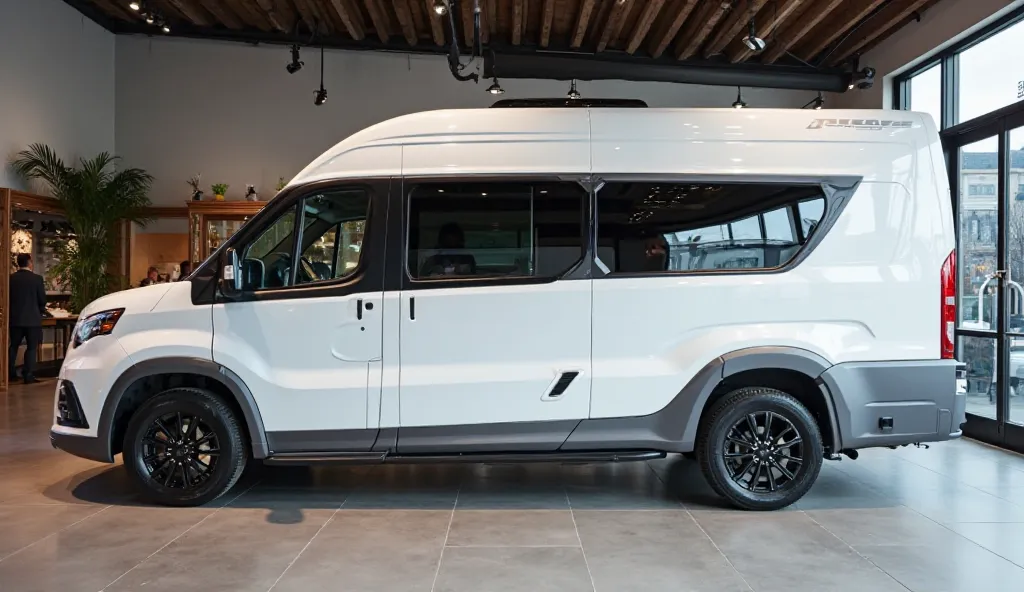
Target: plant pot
[(218, 197), (197, 196)]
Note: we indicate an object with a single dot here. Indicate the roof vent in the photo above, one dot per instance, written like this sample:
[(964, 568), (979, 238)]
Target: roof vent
[(569, 103)]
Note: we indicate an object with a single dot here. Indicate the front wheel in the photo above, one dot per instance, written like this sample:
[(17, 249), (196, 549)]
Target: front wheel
[(184, 447), (760, 448)]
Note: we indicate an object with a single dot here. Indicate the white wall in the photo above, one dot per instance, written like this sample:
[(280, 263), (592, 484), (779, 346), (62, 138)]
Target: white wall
[(56, 82), (234, 114), (941, 25)]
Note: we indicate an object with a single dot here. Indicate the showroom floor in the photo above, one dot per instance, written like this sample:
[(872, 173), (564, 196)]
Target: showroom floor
[(946, 519)]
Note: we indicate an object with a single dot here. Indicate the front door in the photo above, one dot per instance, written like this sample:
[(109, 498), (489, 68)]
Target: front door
[(495, 315), (306, 334)]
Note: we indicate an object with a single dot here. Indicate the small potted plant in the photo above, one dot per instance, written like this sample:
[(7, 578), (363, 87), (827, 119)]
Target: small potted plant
[(197, 193), (250, 193), (219, 189)]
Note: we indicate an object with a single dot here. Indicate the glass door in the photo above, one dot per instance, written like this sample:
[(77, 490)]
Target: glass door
[(986, 165)]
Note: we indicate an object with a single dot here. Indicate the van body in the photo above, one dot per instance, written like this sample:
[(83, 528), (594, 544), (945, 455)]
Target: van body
[(757, 289)]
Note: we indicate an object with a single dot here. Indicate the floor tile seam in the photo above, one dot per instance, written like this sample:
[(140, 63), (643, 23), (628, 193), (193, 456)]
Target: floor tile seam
[(308, 543), (969, 540), (720, 551), (579, 539), (56, 532), (955, 479), (512, 546), (678, 501), (447, 533), (181, 534), (859, 554)]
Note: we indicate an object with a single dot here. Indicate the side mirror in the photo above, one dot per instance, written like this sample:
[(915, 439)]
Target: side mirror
[(231, 275)]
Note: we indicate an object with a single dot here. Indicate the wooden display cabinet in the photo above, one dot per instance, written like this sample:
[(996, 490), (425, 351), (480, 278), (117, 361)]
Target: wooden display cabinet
[(210, 223)]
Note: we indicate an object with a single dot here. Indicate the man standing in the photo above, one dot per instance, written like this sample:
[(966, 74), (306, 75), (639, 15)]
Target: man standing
[(27, 307)]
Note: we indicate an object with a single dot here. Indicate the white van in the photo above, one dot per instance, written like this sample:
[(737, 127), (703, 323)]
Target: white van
[(550, 284)]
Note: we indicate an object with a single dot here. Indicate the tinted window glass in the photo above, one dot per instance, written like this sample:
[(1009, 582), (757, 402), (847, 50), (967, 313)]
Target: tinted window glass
[(651, 227), (266, 261), (332, 236), (494, 229)]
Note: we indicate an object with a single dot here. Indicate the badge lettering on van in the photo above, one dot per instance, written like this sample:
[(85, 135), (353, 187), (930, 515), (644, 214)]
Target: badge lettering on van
[(861, 124)]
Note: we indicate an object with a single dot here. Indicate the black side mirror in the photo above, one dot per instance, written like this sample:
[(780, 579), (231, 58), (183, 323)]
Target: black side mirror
[(231, 274)]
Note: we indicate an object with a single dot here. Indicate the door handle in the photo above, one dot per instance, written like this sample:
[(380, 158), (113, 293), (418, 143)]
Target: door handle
[(359, 309), (412, 309)]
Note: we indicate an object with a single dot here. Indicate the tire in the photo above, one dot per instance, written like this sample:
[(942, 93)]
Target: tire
[(779, 468), (181, 475)]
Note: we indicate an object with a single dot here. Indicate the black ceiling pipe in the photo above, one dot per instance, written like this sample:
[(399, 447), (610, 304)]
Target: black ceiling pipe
[(563, 67)]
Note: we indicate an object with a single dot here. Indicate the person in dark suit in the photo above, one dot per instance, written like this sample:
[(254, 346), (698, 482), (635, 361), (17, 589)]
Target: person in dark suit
[(27, 307)]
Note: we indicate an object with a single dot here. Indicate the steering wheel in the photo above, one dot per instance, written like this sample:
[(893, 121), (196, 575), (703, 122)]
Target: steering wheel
[(280, 270)]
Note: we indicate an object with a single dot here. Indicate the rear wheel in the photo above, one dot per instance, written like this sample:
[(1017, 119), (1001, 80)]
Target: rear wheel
[(184, 447), (760, 448)]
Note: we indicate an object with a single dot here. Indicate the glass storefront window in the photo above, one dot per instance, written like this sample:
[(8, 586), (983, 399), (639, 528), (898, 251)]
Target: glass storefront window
[(979, 354), (991, 73), (979, 167), (926, 93)]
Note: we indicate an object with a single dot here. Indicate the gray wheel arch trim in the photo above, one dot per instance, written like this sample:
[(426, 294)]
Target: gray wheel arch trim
[(182, 365)]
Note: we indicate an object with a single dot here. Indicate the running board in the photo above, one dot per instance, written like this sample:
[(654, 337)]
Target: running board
[(348, 458)]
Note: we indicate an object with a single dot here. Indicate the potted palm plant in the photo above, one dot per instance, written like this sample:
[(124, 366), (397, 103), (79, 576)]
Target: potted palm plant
[(95, 198)]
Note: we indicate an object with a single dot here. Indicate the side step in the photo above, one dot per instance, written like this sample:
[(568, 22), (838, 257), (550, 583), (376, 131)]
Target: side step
[(350, 458)]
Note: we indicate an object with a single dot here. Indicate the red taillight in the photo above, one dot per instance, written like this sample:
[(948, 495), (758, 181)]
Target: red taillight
[(948, 308)]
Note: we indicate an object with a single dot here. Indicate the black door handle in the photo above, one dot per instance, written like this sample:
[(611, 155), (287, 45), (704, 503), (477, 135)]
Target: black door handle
[(359, 309), (412, 309)]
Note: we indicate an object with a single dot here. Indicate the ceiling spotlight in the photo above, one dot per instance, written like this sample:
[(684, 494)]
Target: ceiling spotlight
[(573, 93), (816, 103), (320, 96), (136, 6), (495, 87), (863, 79), (296, 64), (738, 103), (149, 19), (752, 41), (440, 7)]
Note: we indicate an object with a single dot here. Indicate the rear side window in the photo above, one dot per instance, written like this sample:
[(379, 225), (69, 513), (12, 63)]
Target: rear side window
[(678, 227), (494, 230)]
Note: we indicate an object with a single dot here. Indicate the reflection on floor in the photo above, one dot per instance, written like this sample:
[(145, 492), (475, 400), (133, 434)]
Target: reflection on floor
[(980, 404), (946, 519)]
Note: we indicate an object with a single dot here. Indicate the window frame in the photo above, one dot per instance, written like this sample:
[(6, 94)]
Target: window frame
[(835, 191), (578, 270), (949, 60), (300, 232)]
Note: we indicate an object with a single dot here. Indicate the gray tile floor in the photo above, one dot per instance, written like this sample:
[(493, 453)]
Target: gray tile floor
[(950, 518)]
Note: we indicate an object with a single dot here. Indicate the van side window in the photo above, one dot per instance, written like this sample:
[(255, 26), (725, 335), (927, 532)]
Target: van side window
[(331, 239), (673, 227), (266, 261), (494, 230)]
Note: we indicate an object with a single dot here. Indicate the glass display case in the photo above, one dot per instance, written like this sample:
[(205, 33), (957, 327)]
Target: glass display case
[(210, 223)]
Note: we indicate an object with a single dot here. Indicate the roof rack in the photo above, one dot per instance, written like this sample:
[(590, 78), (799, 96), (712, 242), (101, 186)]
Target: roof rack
[(569, 103)]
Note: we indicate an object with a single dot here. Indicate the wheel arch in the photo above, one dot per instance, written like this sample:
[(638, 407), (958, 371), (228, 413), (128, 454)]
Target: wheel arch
[(116, 407), (790, 369)]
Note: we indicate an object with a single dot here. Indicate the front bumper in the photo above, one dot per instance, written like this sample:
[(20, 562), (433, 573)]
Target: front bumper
[(89, 447)]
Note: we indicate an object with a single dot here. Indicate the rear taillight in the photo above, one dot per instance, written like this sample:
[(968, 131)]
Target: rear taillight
[(948, 308)]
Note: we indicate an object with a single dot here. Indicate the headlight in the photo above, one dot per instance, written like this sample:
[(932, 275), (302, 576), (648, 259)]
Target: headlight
[(101, 323)]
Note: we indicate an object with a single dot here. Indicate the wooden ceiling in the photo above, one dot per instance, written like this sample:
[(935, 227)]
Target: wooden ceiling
[(807, 33)]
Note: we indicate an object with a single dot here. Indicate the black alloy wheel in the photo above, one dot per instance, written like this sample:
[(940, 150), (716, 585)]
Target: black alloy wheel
[(760, 448), (180, 451), (184, 447)]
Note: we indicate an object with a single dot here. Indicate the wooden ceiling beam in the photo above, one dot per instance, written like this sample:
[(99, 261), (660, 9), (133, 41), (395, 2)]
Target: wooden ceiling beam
[(272, 15), (548, 17), (798, 28), (729, 30), (379, 18), (890, 16), (436, 28), (779, 14), (518, 15), (466, 8), (643, 25), (699, 27), (222, 14), (614, 25), (195, 14), (404, 13), (248, 13), (118, 11), (350, 18), (841, 22), (582, 20), (665, 36), (491, 16)]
